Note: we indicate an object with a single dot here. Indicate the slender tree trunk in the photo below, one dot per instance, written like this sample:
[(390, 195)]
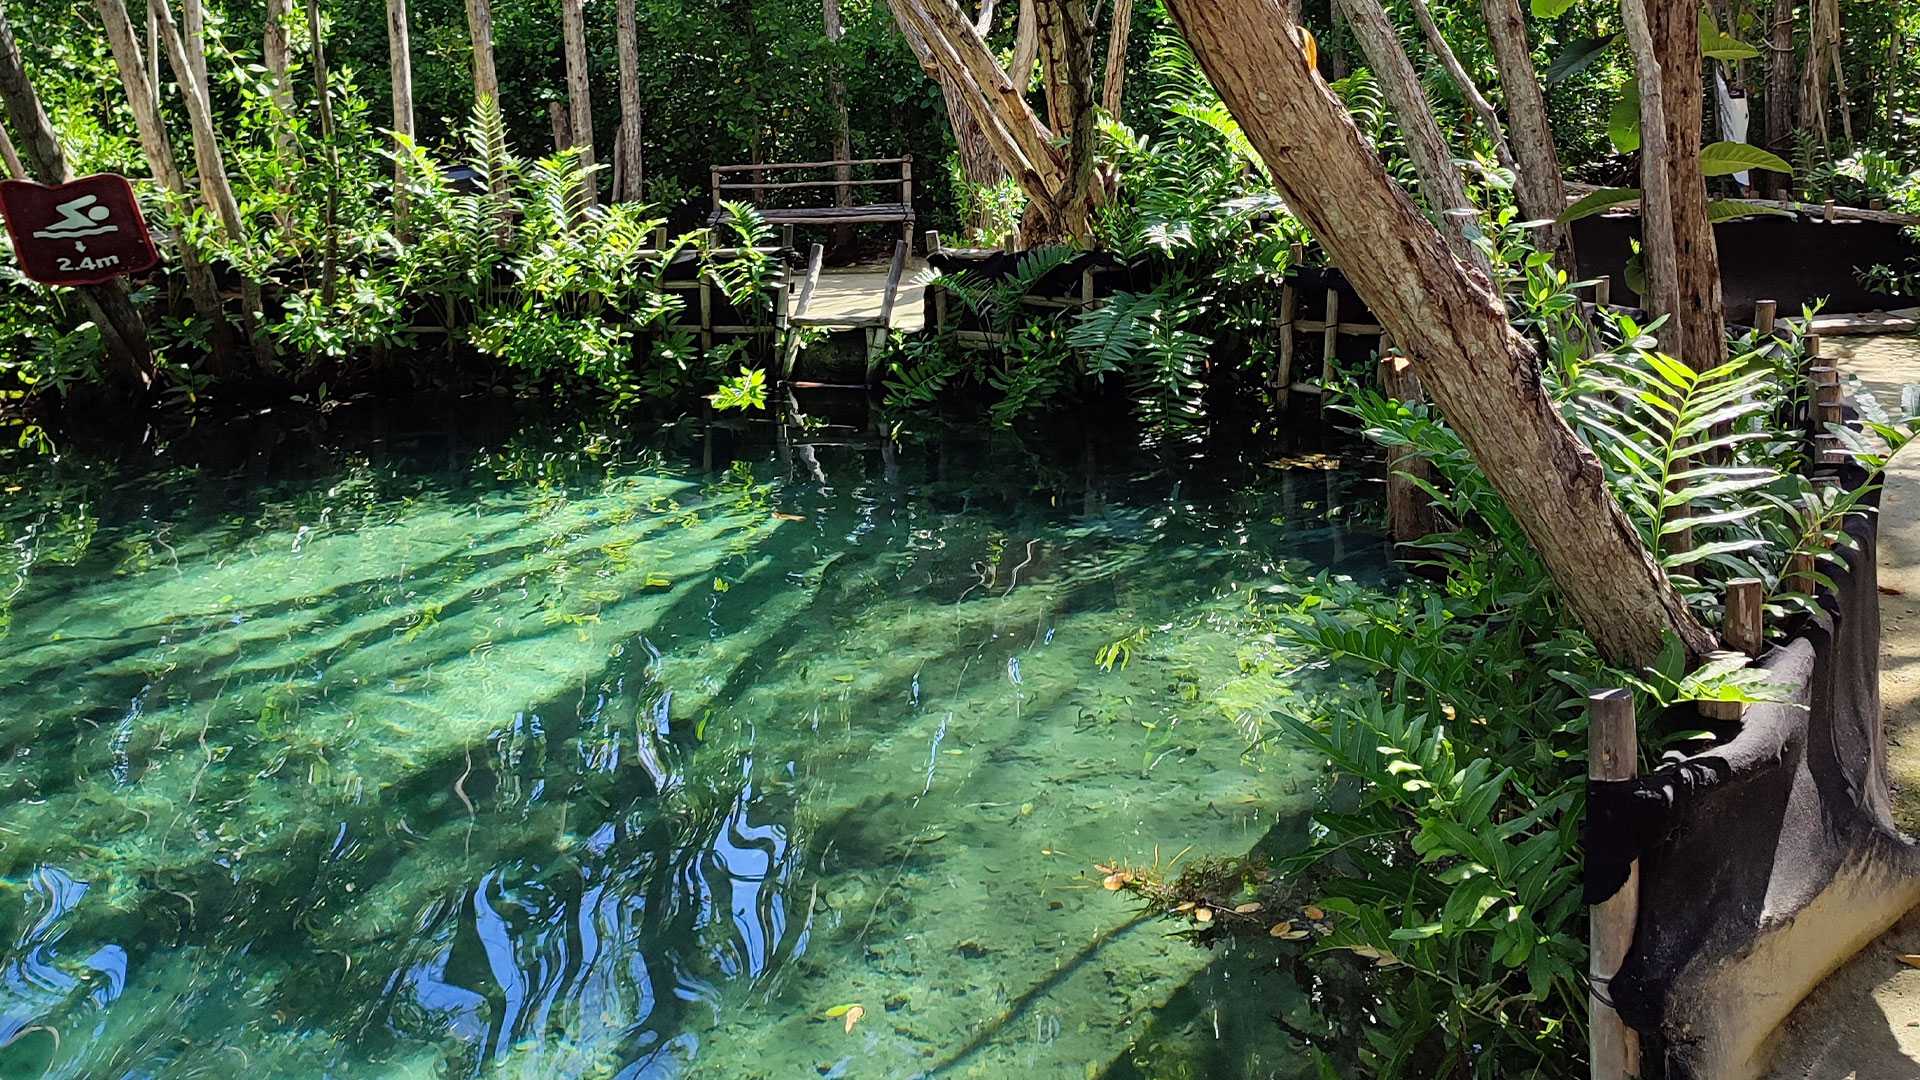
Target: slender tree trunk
[(1780, 83), (1830, 10), (1483, 376), (632, 168), (202, 289), (154, 51), (486, 84), (330, 221), (10, 156), (1659, 250), (842, 122), (1440, 180), (573, 25), (211, 166), (1115, 86), (1538, 186), (123, 333), (193, 17), (1482, 108), (400, 58), (1698, 332)]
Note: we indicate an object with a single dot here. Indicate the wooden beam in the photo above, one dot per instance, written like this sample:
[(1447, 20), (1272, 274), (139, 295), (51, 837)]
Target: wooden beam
[(1613, 754)]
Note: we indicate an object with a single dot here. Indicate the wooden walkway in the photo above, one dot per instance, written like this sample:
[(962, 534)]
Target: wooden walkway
[(855, 295)]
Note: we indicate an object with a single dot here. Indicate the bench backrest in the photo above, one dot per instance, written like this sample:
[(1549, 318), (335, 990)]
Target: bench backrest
[(834, 176)]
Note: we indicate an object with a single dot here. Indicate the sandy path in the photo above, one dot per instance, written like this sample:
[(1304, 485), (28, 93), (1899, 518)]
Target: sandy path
[(1863, 1023)]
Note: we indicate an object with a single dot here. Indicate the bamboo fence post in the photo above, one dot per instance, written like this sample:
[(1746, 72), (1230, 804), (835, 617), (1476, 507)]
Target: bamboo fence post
[(906, 200), (573, 30), (1764, 314), (1613, 754)]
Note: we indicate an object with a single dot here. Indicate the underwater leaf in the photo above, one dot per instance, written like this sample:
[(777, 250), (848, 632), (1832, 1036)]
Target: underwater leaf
[(839, 1011), (854, 1013)]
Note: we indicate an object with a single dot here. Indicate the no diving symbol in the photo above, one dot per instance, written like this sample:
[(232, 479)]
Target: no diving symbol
[(79, 233)]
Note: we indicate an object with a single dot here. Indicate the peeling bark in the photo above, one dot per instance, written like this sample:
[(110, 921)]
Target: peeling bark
[(1538, 185), (1696, 332)]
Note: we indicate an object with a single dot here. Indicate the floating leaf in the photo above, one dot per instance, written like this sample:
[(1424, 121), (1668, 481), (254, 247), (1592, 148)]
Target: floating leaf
[(1204, 915), (1246, 909), (1313, 912), (1280, 929)]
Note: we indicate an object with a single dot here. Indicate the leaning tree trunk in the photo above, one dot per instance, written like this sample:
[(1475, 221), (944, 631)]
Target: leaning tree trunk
[(1537, 184), (123, 332), (1482, 108), (400, 57), (1440, 179), (1696, 331), (202, 289), (627, 147), (1483, 376), (573, 22), (979, 163), (193, 17)]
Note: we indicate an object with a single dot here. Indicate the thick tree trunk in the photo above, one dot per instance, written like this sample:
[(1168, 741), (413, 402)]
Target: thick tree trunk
[(123, 333), (1440, 180), (1482, 108), (1781, 79), (627, 148), (202, 289), (1697, 332), (1115, 86), (1483, 376), (573, 25), (1538, 186), (211, 167), (979, 161), (1066, 56), (400, 58)]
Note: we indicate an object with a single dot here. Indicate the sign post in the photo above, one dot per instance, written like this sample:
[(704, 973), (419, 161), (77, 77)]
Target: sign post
[(84, 232)]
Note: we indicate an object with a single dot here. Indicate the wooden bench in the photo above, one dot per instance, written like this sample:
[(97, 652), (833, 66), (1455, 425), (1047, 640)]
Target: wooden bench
[(752, 180)]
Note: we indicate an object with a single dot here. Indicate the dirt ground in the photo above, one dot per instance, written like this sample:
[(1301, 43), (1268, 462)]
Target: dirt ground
[(1863, 1023)]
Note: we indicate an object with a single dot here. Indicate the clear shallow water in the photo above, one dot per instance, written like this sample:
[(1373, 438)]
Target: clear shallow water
[(548, 756)]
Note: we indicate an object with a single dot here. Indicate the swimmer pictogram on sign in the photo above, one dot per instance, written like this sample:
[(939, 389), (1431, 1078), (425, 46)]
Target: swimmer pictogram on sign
[(80, 233)]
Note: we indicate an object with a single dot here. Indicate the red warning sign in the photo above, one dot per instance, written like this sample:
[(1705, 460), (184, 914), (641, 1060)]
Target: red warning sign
[(79, 233)]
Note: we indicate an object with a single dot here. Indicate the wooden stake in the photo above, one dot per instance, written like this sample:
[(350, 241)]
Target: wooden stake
[(1764, 313), (1613, 754), (1330, 336), (1745, 624), (1283, 373)]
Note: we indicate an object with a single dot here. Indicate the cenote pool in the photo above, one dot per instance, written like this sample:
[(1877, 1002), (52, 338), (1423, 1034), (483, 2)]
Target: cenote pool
[(391, 754)]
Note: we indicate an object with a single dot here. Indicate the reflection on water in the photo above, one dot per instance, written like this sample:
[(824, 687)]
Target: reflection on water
[(548, 755)]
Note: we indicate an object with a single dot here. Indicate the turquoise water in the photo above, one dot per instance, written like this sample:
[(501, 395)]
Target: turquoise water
[(552, 754)]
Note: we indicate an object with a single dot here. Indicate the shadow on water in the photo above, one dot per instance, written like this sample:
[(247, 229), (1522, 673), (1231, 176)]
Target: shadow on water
[(538, 750)]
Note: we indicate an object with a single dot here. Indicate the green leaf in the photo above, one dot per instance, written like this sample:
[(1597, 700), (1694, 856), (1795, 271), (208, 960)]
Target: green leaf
[(1727, 158), (1719, 210), (1718, 46), (1623, 123), (1550, 9), (1576, 57), (1599, 200)]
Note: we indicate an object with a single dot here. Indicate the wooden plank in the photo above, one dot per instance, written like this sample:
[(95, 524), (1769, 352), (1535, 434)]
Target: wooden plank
[(839, 322), (829, 215), (1351, 329), (776, 165), (789, 184), (815, 256), (1283, 376), (894, 272)]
